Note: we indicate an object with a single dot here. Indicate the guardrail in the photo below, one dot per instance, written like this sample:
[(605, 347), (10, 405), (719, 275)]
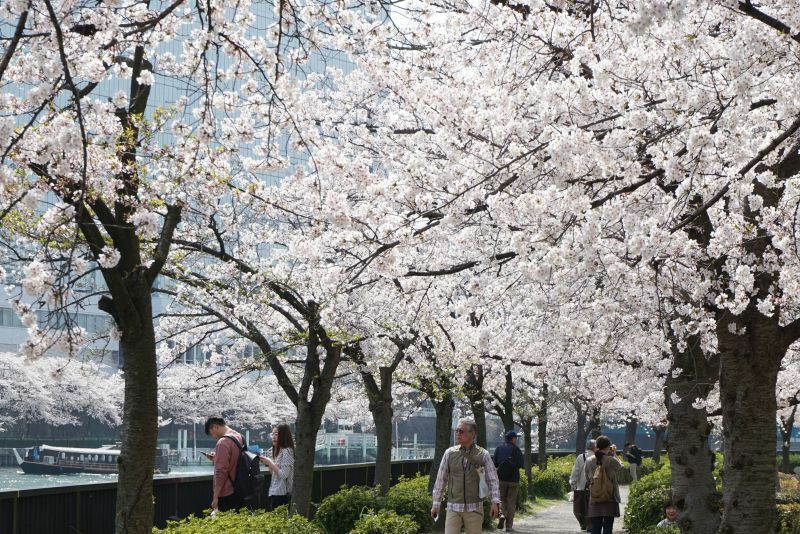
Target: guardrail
[(90, 508)]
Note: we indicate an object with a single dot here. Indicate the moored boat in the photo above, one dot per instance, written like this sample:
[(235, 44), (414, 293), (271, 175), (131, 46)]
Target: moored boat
[(49, 460)]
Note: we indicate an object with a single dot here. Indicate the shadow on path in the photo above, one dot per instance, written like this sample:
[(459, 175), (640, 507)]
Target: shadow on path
[(559, 519)]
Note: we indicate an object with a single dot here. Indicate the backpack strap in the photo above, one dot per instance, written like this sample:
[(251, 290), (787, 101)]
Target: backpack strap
[(240, 446)]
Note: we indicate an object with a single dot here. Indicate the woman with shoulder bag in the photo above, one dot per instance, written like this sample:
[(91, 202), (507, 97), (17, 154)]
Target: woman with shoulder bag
[(604, 498), (281, 466)]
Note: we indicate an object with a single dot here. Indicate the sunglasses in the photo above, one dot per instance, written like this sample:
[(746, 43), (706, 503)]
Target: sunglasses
[(461, 431)]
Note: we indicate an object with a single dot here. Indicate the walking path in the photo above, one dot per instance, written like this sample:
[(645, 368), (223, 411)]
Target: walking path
[(559, 519)]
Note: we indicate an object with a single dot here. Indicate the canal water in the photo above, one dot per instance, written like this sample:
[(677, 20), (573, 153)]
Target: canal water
[(12, 478)]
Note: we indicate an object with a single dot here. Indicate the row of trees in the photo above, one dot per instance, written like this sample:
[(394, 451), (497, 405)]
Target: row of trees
[(496, 200)]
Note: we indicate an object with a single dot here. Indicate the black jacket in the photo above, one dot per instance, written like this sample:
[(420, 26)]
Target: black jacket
[(512, 453), (634, 455)]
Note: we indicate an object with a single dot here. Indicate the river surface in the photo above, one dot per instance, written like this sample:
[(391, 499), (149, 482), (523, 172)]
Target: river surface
[(12, 478)]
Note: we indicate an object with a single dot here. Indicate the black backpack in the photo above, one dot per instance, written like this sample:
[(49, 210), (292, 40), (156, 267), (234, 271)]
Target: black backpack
[(249, 482), (507, 469)]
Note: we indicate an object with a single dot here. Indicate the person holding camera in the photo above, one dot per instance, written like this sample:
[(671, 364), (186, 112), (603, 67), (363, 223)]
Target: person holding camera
[(604, 498)]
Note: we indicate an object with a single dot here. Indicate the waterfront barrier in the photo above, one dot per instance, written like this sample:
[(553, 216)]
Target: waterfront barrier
[(90, 508)]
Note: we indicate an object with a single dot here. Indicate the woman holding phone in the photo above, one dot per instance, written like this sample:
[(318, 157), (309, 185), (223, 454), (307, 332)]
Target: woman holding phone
[(281, 466)]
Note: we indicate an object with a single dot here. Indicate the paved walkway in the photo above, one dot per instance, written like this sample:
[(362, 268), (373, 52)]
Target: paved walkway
[(559, 519)]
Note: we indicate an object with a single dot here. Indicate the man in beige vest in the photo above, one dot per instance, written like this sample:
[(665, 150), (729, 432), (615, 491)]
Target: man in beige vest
[(459, 473)]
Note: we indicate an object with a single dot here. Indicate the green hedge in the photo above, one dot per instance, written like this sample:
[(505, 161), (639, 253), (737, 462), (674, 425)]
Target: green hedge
[(549, 484), (788, 518), (672, 529), (646, 501), (410, 497), (522, 494), (385, 522), (242, 522), (339, 512)]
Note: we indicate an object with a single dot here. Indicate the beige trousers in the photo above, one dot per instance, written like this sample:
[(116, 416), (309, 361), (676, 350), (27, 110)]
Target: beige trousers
[(471, 521)]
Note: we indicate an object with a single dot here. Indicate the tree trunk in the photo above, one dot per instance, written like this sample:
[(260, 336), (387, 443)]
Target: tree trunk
[(444, 433), (309, 419), (504, 406), (631, 425), (474, 393), (382, 414), (749, 370), (527, 453), (134, 512), (658, 447), (595, 428), (580, 436), (542, 431), (693, 485)]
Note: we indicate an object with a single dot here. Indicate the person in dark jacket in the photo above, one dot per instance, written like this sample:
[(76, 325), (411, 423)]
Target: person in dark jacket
[(634, 456), (508, 460)]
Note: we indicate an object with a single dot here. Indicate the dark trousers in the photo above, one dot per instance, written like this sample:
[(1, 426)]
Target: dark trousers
[(580, 507), (277, 500), (230, 502), (602, 525)]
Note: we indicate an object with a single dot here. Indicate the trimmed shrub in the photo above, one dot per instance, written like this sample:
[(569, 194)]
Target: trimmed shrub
[(339, 512), (788, 519), (522, 494), (385, 522), (549, 484), (410, 497), (243, 522), (672, 529), (645, 509)]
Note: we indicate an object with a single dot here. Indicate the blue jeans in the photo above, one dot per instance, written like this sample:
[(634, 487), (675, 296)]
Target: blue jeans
[(602, 525)]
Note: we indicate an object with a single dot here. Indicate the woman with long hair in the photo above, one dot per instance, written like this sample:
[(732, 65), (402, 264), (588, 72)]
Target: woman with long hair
[(603, 503), (281, 466)]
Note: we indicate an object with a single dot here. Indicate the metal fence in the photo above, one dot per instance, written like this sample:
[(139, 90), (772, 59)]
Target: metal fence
[(90, 508)]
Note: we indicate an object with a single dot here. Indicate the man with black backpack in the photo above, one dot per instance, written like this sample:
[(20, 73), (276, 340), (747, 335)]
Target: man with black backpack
[(235, 478), (508, 460)]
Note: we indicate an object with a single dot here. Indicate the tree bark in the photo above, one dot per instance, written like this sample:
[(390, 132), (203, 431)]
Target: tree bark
[(134, 504), (444, 433), (504, 406), (475, 395), (631, 425), (786, 426), (658, 447), (581, 420), (749, 370), (527, 453), (541, 430), (382, 414), (693, 485), (595, 427), (309, 418)]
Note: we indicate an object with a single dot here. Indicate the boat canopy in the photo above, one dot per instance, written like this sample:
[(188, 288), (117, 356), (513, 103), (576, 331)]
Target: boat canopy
[(73, 450)]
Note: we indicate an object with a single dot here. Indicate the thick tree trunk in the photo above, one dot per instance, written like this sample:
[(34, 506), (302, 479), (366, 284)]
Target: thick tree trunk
[(479, 412), (541, 430), (134, 512), (504, 405), (474, 392), (693, 485), (786, 426), (444, 433), (631, 425), (658, 447), (595, 427), (309, 418), (527, 453), (383, 414), (749, 369), (580, 436)]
